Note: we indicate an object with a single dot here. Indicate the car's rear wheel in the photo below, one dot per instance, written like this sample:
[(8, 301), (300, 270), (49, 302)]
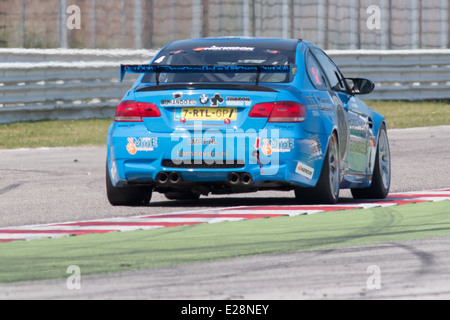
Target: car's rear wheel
[(127, 196), (381, 179), (327, 188)]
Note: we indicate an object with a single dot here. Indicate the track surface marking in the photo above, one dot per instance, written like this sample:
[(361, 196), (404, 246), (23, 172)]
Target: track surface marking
[(147, 222)]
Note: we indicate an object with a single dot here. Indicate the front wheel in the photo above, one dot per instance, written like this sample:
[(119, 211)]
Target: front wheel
[(327, 189), (127, 196), (381, 179)]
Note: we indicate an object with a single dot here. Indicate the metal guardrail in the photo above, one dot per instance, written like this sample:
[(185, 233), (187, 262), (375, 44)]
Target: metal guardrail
[(40, 84), (75, 84), (399, 74)]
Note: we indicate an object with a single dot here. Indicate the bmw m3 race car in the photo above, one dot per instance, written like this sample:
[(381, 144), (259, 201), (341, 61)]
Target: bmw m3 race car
[(238, 114)]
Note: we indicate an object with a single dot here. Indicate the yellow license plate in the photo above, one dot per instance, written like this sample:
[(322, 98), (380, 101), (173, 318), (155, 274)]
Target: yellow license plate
[(206, 113)]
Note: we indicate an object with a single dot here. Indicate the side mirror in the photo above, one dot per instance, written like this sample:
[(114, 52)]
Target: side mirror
[(360, 85)]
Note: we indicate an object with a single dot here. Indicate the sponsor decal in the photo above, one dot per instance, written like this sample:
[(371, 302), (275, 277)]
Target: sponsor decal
[(304, 170), (324, 104), (216, 100), (141, 144), (202, 141), (214, 48), (312, 103), (266, 148), (270, 146), (178, 95), (201, 69), (178, 102), (239, 101), (314, 147)]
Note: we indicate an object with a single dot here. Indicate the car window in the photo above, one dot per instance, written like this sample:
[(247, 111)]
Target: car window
[(315, 73), (331, 71), (216, 55)]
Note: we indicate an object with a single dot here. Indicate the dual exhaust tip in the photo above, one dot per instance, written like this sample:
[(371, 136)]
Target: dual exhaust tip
[(168, 177), (234, 178), (242, 178)]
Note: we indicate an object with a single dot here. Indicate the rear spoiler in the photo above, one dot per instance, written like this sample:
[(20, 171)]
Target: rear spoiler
[(158, 69)]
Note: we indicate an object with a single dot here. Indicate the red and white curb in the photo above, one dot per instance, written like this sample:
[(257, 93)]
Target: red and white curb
[(147, 222)]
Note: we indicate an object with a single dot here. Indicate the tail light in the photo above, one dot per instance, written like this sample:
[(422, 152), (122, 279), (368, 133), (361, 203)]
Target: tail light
[(280, 111), (133, 111)]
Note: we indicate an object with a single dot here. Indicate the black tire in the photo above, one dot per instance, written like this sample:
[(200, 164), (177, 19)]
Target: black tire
[(327, 189), (182, 195), (381, 179), (127, 196)]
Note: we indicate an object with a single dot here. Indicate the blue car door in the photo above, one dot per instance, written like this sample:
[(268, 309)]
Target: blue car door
[(352, 120)]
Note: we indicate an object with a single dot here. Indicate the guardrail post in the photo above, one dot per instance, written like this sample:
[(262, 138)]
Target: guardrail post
[(414, 24), (22, 23), (445, 26), (138, 20), (196, 18), (94, 24), (62, 24)]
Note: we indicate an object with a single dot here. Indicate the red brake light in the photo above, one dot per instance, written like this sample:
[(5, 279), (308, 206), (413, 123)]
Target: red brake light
[(132, 111), (280, 111), (261, 110), (128, 111), (148, 110), (288, 111)]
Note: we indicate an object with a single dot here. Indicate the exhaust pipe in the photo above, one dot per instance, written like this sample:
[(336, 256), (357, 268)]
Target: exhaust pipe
[(162, 177), (246, 178), (174, 177), (233, 178)]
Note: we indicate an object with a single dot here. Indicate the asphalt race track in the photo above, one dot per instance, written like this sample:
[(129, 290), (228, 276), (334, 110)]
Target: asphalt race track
[(67, 184)]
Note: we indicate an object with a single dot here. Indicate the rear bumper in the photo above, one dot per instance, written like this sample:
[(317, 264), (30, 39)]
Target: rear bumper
[(243, 162)]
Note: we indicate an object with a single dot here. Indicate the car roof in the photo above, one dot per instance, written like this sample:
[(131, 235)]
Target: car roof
[(274, 43)]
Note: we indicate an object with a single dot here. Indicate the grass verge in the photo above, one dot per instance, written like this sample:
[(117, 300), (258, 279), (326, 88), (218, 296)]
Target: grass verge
[(409, 114), (120, 251), (73, 133), (58, 133)]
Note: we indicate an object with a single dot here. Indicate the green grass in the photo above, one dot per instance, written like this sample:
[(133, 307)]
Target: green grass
[(64, 133), (120, 251), (71, 133), (404, 114)]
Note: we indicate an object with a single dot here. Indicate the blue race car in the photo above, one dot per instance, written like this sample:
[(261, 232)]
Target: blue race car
[(238, 114)]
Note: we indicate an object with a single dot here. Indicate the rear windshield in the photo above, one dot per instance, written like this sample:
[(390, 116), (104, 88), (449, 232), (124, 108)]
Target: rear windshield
[(222, 55)]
